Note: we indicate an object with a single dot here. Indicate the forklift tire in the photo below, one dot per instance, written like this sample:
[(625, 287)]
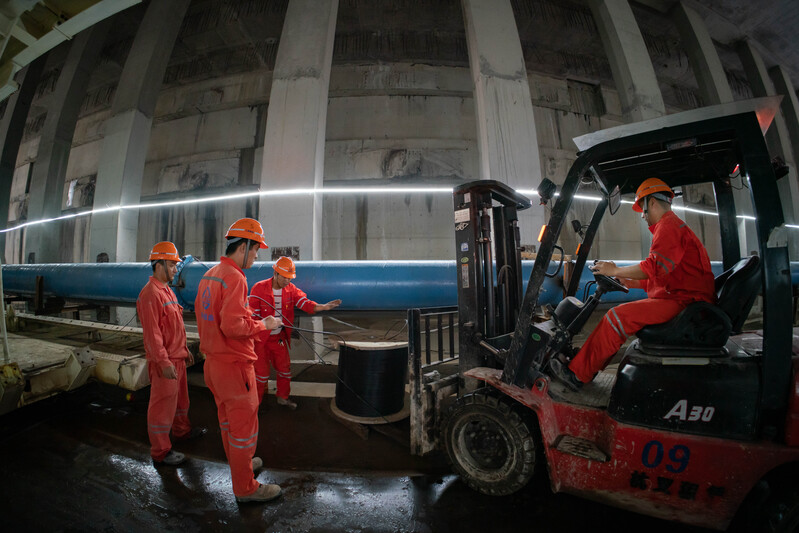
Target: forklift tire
[(773, 507), (489, 444), (783, 512)]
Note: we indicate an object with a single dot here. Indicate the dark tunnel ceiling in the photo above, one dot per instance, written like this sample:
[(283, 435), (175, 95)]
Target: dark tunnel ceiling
[(558, 37)]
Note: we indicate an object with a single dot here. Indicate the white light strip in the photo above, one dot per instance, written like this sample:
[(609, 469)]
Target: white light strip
[(324, 191), (383, 190), (587, 198), (693, 210), (239, 196), (206, 199)]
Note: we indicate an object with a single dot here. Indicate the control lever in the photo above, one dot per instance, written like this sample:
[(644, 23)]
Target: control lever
[(560, 325)]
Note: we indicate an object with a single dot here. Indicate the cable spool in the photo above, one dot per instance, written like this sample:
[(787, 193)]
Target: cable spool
[(372, 377)]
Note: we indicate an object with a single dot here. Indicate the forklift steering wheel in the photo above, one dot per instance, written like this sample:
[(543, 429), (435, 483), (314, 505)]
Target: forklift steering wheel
[(609, 284)]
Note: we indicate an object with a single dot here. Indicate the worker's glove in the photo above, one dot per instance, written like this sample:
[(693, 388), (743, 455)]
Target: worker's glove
[(272, 322)]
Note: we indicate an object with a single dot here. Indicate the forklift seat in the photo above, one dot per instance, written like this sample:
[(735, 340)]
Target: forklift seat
[(702, 329)]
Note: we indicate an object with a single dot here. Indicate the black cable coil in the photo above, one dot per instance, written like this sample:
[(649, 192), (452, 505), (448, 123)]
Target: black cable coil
[(371, 381)]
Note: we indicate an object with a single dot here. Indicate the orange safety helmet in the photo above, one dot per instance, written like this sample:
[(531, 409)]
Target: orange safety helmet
[(650, 186), (247, 228), (285, 267), (164, 250)]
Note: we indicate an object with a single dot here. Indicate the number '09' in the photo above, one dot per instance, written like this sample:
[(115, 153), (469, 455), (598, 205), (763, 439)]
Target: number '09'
[(652, 456)]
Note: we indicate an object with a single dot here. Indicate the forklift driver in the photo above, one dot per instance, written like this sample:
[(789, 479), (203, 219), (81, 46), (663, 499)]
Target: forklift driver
[(675, 274)]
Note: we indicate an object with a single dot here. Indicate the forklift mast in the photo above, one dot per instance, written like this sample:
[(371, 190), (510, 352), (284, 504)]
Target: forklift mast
[(489, 265)]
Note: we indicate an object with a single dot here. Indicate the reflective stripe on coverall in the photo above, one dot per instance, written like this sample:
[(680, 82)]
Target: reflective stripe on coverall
[(164, 335), (678, 273), (227, 330), (274, 349)]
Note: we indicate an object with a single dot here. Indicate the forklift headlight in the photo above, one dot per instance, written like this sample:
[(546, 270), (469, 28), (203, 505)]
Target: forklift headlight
[(546, 190)]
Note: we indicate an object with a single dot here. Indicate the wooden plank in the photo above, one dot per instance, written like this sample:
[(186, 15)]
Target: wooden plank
[(359, 429)]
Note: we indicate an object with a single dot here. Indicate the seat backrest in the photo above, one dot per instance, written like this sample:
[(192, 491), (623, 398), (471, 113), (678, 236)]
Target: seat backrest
[(737, 288)]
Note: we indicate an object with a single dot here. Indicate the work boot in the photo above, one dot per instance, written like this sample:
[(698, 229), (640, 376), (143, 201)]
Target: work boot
[(286, 403), (172, 458), (196, 432), (564, 374), (257, 463), (264, 493)]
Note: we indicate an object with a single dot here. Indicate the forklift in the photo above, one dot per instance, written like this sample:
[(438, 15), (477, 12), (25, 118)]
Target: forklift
[(699, 423)]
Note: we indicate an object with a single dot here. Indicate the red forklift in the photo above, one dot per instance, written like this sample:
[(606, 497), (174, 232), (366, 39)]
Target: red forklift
[(699, 423)]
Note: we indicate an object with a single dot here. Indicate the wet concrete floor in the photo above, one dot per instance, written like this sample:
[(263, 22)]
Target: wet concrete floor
[(80, 462)]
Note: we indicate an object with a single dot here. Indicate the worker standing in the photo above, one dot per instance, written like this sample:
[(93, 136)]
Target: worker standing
[(277, 296), (161, 319), (227, 331)]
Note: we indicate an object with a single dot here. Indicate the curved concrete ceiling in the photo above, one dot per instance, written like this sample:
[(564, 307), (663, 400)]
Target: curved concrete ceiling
[(30, 28), (770, 24)]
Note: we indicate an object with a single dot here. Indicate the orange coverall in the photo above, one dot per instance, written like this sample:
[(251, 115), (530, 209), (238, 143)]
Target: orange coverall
[(678, 271), (274, 349), (161, 319), (227, 329)]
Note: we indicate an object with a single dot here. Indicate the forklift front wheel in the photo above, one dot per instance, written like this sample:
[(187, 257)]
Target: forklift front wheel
[(489, 445)]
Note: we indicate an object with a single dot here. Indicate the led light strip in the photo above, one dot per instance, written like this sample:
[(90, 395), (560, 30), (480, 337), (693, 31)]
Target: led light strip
[(325, 191)]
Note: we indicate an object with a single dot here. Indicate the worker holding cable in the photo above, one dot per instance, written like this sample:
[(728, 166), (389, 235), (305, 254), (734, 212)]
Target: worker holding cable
[(278, 296), (227, 332), (164, 334)]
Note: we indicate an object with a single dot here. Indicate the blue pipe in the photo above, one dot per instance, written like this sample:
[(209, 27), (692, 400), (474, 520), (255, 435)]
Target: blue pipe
[(362, 285)]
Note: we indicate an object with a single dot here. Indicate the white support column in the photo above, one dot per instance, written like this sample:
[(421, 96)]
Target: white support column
[(12, 127), (790, 111), (629, 59), (713, 85), (43, 242), (127, 131), (294, 144), (506, 133), (633, 73), (790, 106), (715, 89), (777, 138)]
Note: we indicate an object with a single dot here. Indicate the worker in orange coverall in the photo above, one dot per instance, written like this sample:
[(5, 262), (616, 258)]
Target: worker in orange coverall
[(227, 332), (278, 296), (675, 274), (161, 319)]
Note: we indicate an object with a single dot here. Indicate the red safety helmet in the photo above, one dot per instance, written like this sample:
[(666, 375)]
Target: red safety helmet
[(164, 250), (650, 186), (247, 228), (285, 267)]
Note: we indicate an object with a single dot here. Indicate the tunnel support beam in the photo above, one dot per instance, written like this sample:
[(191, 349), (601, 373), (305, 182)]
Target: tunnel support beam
[(777, 138), (714, 89), (43, 242), (790, 111), (294, 144), (629, 59), (633, 73), (127, 131), (706, 65), (506, 134), (12, 128)]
